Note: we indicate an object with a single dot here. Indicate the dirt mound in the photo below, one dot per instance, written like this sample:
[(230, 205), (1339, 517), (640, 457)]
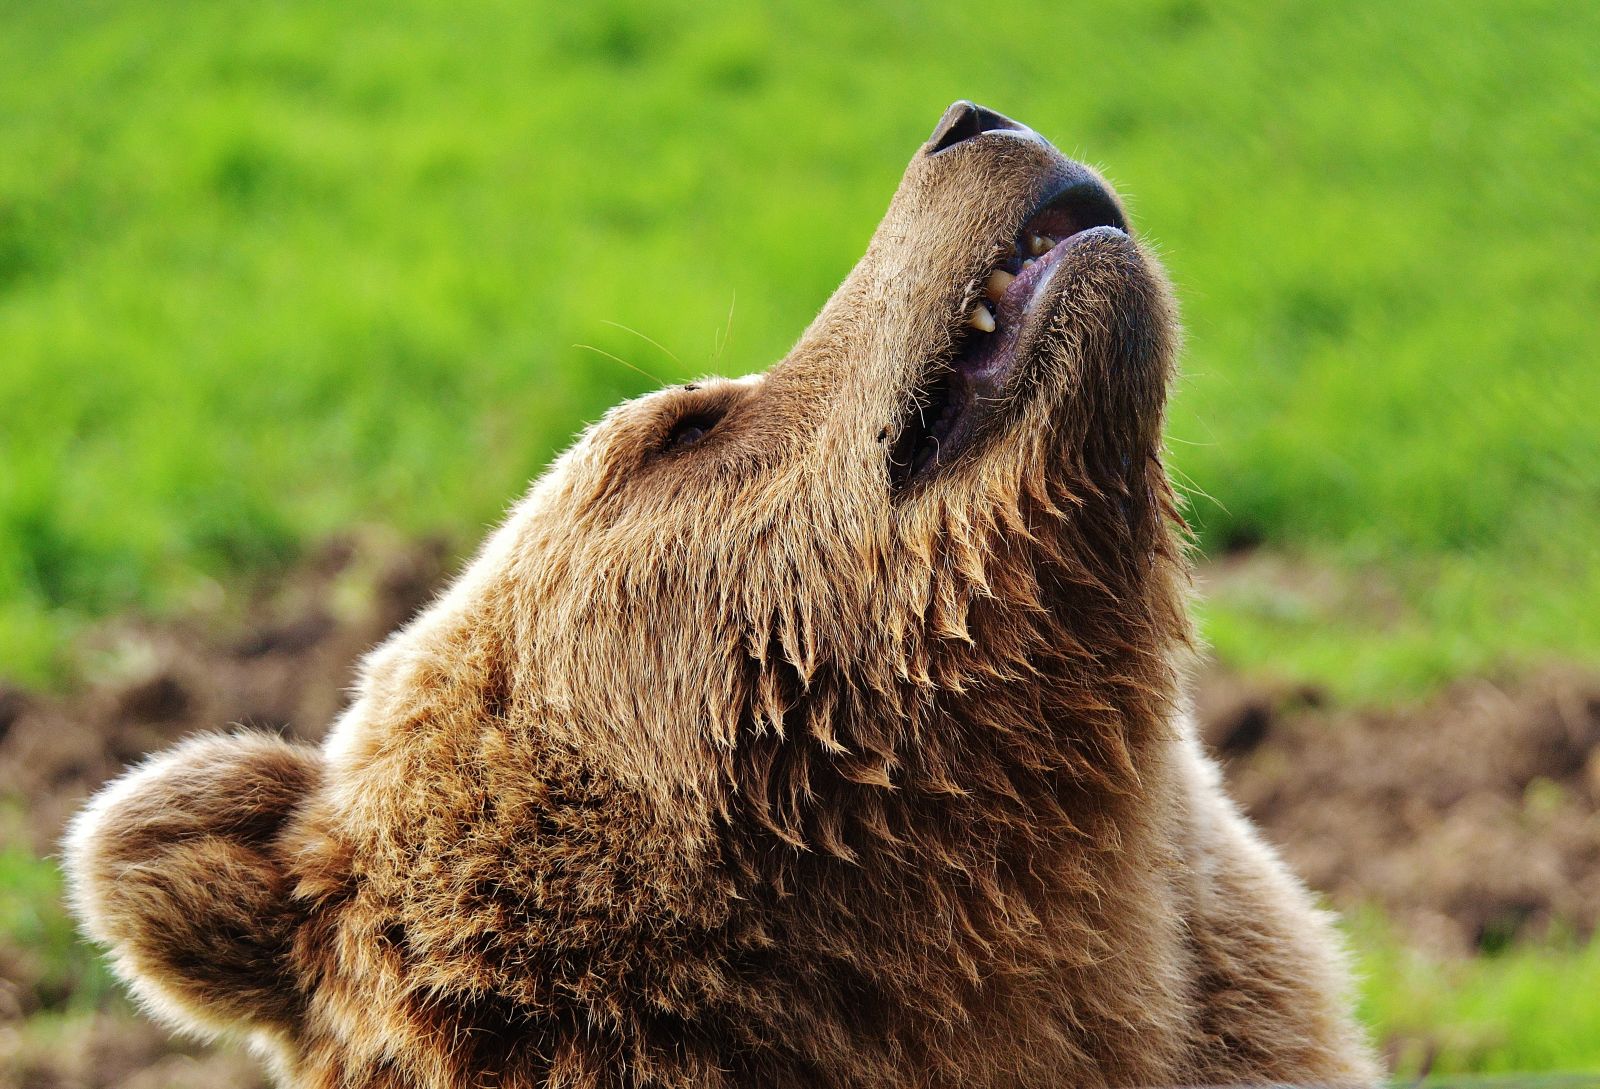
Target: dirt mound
[(285, 666), (1472, 820), (116, 1049)]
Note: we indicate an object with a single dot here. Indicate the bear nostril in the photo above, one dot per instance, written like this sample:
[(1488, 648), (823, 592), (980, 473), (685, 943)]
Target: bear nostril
[(963, 121)]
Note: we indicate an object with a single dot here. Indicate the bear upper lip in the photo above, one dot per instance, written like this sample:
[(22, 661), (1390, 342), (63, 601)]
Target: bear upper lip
[(948, 408)]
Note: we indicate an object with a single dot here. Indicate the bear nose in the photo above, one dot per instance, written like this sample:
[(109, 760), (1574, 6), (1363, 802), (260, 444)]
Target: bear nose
[(963, 121)]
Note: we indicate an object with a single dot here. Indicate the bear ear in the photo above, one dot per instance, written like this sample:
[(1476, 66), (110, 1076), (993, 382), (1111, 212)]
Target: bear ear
[(177, 867)]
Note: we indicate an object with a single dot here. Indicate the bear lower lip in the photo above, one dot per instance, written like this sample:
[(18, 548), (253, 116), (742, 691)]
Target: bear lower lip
[(955, 400), (994, 355), (962, 390), (1015, 282)]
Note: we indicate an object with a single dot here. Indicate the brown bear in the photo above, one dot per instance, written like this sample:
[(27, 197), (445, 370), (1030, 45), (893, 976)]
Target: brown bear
[(818, 728)]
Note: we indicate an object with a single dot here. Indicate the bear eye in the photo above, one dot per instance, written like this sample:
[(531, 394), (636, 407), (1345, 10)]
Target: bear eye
[(689, 430)]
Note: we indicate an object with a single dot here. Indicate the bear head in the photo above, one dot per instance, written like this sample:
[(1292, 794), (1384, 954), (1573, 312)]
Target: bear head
[(807, 660)]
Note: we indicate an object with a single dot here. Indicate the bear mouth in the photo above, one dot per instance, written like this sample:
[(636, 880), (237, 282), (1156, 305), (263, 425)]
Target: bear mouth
[(997, 329)]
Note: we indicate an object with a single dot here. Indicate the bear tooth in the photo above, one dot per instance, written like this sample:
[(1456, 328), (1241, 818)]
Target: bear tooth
[(981, 318), (1028, 263), (1040, 243), (997, 283)]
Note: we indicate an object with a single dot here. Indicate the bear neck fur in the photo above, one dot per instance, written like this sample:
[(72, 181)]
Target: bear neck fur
[(973, 834)]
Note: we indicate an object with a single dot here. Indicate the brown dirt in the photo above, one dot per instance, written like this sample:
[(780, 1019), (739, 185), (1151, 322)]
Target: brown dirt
[(286, 666), (1473, 820)]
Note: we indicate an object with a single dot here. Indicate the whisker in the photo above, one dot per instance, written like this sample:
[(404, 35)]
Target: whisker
[(726, 332), (624, 362), (648, 340), (1193, 489)]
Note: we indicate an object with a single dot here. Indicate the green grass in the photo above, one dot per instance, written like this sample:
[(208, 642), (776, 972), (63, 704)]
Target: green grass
[(43, 951), (1524, 1009), (270, 269)]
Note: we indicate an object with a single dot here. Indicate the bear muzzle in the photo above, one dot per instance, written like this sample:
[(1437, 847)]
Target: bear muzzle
[(1010, 306)]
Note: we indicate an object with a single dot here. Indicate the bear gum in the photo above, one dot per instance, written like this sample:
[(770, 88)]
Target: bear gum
[(744, 754)]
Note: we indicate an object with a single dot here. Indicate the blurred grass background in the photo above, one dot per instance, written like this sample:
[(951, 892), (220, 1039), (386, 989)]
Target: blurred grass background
[(271, 269)]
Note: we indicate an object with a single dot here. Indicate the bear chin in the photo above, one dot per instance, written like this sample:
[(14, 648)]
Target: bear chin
[(823, 727)]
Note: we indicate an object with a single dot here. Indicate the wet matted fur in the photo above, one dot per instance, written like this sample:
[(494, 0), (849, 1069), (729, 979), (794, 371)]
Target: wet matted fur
[(780, 737)]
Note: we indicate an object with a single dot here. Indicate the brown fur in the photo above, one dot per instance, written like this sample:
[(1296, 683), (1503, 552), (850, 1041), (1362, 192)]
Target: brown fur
[(732, 766)]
